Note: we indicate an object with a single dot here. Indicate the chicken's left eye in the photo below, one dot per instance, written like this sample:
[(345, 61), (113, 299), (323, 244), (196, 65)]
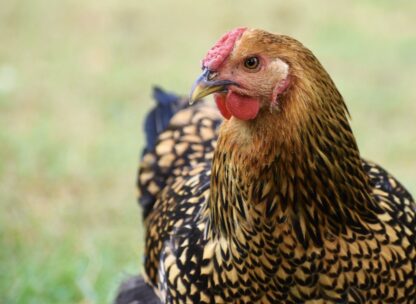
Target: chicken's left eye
[(251, 62)]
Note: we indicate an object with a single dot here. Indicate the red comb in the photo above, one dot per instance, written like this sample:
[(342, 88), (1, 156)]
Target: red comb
[(222, 49)]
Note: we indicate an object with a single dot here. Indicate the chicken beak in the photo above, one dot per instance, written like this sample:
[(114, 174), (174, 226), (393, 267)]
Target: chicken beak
[(205, 85)]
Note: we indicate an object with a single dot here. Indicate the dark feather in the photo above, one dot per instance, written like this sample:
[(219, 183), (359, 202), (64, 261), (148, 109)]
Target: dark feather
[(167, 104), (134, 290), (157, 120)]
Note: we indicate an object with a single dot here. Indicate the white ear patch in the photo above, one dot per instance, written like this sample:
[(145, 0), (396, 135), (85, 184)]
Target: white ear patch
[(281, 70)]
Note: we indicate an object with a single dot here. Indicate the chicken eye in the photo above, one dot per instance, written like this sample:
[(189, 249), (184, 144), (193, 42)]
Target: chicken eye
[(251, 63)]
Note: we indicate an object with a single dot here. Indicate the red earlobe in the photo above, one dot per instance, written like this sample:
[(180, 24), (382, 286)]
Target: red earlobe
[(279, 89)]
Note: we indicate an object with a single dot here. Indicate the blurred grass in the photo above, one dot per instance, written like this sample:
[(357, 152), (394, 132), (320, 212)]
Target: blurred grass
[(75, 79)]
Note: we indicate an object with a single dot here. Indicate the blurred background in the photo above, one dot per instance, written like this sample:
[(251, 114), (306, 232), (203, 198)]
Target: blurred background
[(75, 84)]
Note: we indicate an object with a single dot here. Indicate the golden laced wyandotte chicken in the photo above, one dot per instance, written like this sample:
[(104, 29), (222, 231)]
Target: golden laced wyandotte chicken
[(275, 205)]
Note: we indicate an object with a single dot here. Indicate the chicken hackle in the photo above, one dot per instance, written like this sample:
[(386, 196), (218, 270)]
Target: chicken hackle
[(271, 203)]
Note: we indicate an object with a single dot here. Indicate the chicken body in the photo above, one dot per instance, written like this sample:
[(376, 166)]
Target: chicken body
[(275, 205)]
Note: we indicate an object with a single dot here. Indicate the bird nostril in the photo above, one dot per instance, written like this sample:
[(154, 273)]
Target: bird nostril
[(211, 75)]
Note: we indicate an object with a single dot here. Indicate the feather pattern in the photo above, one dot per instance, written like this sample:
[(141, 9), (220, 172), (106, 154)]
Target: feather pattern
[(278, 249), (243, 213)]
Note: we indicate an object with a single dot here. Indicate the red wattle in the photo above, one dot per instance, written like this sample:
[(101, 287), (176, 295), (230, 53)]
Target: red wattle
[(220, 101), (242, 107)]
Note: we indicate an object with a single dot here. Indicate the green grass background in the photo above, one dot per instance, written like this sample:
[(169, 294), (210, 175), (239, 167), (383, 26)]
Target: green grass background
[(75, 84)]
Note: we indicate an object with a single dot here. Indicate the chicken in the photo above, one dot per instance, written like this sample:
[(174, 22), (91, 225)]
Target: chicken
[(271, 203)]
